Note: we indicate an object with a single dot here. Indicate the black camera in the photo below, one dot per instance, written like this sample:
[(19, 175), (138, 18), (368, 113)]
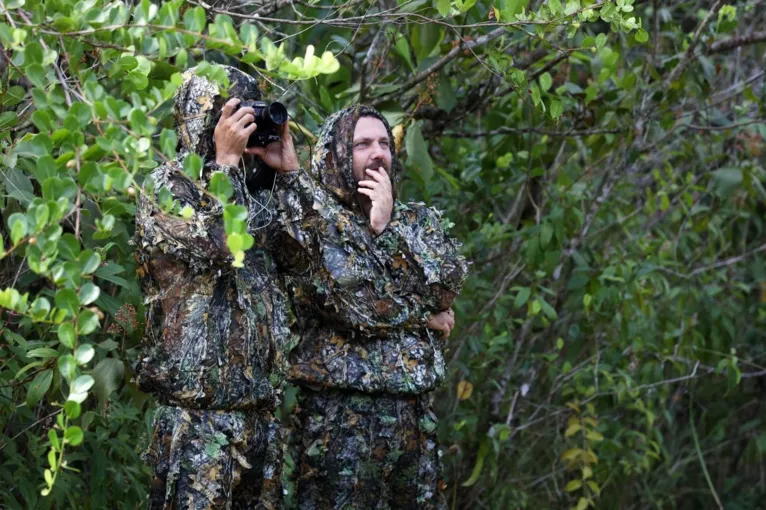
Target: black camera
[(269, 117)]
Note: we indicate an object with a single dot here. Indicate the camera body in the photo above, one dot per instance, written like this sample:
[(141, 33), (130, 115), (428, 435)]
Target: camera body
[(269, 118)]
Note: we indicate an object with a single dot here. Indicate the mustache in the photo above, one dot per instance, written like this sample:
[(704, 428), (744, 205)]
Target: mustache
[(377, 164)]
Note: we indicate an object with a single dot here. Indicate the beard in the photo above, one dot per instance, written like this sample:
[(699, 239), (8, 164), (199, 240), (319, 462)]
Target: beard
[(375, 165)]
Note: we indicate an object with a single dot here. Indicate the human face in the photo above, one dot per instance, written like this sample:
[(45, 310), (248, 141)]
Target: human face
[(372, 148)]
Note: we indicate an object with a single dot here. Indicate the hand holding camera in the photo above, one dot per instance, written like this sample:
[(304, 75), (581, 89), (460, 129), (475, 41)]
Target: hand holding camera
[(257, 128)]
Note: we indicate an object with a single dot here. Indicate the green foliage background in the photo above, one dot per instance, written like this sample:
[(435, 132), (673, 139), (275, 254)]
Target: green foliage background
[(602, 161)]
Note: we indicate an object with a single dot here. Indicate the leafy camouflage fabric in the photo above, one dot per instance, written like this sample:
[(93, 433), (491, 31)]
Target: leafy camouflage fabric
[(365, 439), (215, 459), (362, 300), (365, 451), (216, 336)]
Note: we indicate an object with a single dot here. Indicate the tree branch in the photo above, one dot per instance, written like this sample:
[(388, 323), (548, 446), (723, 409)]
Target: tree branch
[(446, 59), (736, 42), (676, 72)]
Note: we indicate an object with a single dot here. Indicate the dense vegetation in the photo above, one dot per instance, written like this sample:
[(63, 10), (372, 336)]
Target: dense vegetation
[(602, 161)]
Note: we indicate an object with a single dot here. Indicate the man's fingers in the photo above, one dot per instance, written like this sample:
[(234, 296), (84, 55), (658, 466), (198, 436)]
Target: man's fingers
[(374, 174), (251, 128), (246, 120), (368, 184), (285, 134), (229, 107), (366, 191), (256, 151), (241, 113)]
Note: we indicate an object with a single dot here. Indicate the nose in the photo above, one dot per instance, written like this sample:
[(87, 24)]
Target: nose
[(378, 152)]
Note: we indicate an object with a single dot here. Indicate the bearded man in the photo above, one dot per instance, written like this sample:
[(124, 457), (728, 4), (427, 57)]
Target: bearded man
[(372, 281)]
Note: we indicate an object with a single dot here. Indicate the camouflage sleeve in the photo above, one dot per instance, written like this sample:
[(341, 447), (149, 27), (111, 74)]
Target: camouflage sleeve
[(198, 236), (419, 234), (349, 281)]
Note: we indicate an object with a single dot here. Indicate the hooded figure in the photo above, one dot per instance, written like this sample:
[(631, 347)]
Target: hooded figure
[(215, 341), (366, 363)]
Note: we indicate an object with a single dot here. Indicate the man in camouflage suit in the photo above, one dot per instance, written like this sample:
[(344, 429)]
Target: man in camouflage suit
[(214, 351), (368, 277)]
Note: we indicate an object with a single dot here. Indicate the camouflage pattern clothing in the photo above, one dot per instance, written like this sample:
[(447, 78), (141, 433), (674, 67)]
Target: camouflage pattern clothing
[(216, 336), (362, 302), (367, 451)]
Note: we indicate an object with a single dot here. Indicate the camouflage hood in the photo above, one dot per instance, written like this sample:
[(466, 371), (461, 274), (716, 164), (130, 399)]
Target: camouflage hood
[(197, 105), (333, 160)]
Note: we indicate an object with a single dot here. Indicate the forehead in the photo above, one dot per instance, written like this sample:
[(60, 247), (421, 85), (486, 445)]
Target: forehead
[(370, 127)]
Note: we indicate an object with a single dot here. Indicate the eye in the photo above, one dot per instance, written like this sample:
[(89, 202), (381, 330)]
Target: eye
[(384, 143), (360, 145)]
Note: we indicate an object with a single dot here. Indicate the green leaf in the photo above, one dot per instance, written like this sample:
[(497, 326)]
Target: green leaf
[(535, 95), (87, 322), (13, 96), (109, 374), (727, 180), (54, 439), (444, 7), (42, 352), (109, 273), (417, 152), (556, 109), (220, 186), (193, 167), (69, 246), (8, 120), (642, 36), (547, 309), (168, 144), (66, 299), (33, 53), (573, 485), (73, 435), (67, 367), (522, 297), (84, 354), (545, 81), (82, 384), (72, 409), (483, 450), (18, 186), (139, 122), (546, 233), (39, 387), (36, 75), (89, 261), (88, 293), (66, 335)]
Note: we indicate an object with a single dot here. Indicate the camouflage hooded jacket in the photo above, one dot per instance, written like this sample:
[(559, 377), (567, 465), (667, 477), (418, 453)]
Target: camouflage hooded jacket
[(362, 300), (215, 335)]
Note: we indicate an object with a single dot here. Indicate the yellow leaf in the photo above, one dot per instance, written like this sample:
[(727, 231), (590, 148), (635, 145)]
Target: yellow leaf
[(571, 454), (398, 133), (582, 504), (587, 472), (464, 390), (573, 406), (594, 487), (573, 429), (594, 435), (573, 485), (590, 421), (590, 457)]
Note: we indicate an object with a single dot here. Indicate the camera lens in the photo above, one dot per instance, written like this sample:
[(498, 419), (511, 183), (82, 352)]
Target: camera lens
[(277, 113)]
